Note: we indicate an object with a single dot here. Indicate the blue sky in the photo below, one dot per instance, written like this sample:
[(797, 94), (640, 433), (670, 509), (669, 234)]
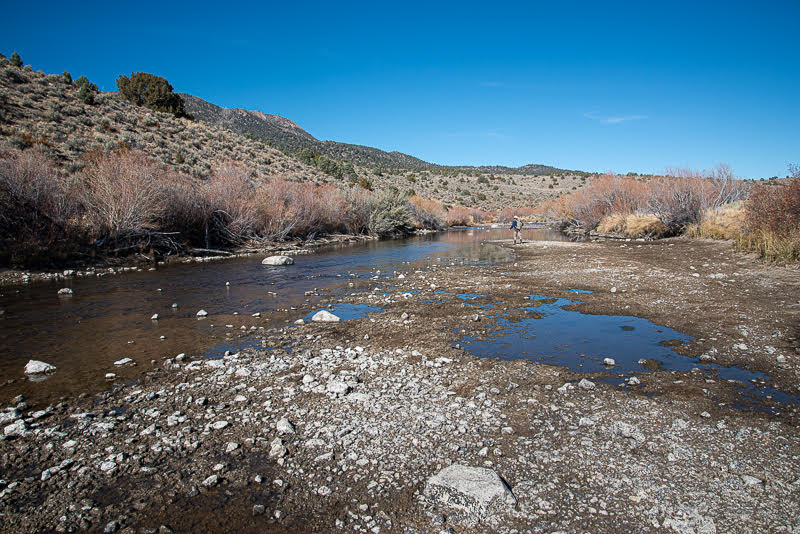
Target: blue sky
[(597, 86)]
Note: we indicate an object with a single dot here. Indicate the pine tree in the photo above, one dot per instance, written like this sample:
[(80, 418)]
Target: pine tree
[(15, 60)]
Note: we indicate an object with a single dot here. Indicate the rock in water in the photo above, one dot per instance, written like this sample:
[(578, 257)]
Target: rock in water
[(479, 493), (324, 316), (65, 291), (35, 367), (277, 260), (202, 313)]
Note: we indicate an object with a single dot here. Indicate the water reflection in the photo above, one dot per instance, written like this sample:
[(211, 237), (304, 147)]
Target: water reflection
[(109, 318)]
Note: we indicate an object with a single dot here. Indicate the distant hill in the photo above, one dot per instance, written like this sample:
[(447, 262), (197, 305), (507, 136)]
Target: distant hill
[(286, 135)]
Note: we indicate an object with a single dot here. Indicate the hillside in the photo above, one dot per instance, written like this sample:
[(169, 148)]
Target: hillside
[(288, 136), (44, 110)]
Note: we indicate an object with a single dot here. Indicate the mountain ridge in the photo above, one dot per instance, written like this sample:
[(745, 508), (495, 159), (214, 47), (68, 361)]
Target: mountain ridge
[(290, 137)]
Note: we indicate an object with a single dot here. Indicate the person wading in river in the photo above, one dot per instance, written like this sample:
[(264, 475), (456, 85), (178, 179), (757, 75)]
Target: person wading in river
[(516, 225)]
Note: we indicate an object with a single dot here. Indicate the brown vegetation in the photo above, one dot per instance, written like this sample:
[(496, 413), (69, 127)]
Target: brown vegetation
[(676, 202), (123, 202), (772, 220)]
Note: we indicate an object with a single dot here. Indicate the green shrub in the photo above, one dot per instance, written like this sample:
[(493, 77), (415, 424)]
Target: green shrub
[(154, 92), (67, 77), (86, 95), (15, 60)]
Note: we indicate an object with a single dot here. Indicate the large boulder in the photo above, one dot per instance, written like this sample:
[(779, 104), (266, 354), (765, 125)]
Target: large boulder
[(277, 260), (324, 316), (35, 367), (473, 494)]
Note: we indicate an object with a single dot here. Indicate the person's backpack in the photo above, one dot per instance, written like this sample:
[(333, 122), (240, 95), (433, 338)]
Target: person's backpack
[(520, 225)]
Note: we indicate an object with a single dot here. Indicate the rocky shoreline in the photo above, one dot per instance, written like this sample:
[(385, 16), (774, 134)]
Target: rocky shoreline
[(385, 424)]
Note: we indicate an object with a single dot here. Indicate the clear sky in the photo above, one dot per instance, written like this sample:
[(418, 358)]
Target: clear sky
[(597, 86)]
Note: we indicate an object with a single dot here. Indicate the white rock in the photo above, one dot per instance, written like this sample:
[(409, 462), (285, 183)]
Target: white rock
[(108, 466), (123, 361), (627, 430), (65, 291), (219, 425), (154, 317), (231, 447), (610, 362), (211, 481), (338, 387), (36, 367), (299, 321), (324, 316), (17, 428), (202, 313), (613, 289), (277, 450), (477, 492), (284, 426), (277, 260), (586, 384), (71, 444)]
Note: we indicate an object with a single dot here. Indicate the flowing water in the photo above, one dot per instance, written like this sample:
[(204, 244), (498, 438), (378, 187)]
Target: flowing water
[(110, 318)]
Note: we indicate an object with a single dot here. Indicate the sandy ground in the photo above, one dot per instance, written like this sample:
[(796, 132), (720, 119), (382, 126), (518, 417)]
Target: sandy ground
[(340, 427)]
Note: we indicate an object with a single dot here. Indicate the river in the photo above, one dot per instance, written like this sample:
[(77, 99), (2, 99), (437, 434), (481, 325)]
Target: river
[(109, 318)]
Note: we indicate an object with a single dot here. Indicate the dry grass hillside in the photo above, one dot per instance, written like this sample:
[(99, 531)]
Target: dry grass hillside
[(44, 109)]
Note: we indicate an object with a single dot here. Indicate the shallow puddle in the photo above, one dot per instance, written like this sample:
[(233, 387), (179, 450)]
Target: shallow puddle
[(549, 333)]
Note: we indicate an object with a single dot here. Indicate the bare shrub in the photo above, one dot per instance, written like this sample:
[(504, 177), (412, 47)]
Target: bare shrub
[(276, 215), (358, 206), (458, 216), (506, 215), (38, 209), (479, 216), (123, 193), (775, 207), (427, 213), (189, 211), (32, 177), (230, 215), (677, 200)]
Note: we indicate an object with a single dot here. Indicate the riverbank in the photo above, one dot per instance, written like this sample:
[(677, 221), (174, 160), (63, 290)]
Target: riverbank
[(113, 265), (342, 426)]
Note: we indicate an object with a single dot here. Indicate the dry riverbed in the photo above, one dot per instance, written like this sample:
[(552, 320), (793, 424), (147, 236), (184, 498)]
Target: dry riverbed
[(343, 427)]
